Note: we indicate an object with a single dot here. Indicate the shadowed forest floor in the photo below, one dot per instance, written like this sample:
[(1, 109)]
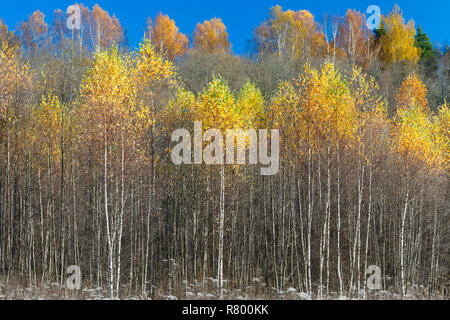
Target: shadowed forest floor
[(54, 291)]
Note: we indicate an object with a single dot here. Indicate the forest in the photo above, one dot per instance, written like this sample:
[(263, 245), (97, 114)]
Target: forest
[(87, 180)]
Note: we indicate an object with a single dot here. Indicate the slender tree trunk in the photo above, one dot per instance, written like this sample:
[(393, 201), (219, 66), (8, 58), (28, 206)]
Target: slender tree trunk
[(310, 208), (338, 231), (221, 230), (122, 208), (108, 231), (402, 240), (369, 213)]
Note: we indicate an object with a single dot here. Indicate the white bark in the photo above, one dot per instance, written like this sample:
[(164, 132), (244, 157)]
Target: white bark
[(221, 230)]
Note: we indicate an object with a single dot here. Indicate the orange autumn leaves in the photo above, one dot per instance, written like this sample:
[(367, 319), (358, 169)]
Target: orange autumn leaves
[(297, 35), (413, 93), (217, 107), (417, 135), (51, 124), (326, 106), (322, 107), (106, 91), (292, 32), (317, 106), (118, 81), (211, 36), (15, 79), (118, 89), (116, 96), (166, 37), (98, 29), (397, 39), (329, 107)]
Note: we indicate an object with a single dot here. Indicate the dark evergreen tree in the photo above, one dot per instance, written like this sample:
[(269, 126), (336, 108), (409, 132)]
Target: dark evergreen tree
[(429, 55), (423, 42)]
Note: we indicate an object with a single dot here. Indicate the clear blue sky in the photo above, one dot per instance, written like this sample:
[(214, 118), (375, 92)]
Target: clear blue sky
[(240, 16)]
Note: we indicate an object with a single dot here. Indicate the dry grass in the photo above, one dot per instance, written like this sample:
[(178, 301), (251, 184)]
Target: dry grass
[(14, 290)]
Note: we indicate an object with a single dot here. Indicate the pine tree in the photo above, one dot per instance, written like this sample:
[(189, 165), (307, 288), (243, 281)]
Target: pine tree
[(428, 54)]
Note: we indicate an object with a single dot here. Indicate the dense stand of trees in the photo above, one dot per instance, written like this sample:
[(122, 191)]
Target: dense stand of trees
[(86, 176)]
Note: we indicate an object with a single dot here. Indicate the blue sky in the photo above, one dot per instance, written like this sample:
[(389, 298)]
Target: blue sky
[(240, 16)]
